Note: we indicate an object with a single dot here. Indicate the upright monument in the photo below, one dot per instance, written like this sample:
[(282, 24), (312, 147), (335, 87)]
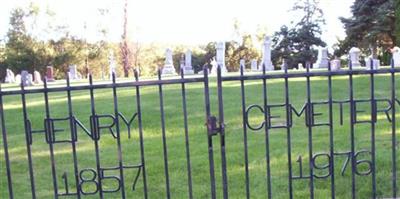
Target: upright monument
[(266, 58), (220, 46), (168, 68)]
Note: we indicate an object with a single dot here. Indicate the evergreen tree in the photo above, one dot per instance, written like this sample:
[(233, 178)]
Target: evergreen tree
[(296, 44), (371, 27)]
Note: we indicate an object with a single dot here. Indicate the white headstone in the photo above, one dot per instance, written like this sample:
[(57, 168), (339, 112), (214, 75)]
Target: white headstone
[(220, 46), (168, 68), (335, 65), (37, 77), (111, 65), (372, 64), (254, 65), (354, 54), (396, 56), (300, 66), (322, 61), (10, 77), (73, 72), (26, 78), (266, 58), (214, 66), (188, 69)]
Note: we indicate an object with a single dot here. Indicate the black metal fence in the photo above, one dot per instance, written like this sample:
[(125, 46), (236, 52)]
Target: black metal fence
[(308, 169)]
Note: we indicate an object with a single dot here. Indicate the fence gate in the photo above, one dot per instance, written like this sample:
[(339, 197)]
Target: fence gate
[(300, 134)]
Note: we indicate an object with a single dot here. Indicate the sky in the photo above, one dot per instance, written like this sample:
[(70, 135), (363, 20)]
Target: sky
[(188, 22)]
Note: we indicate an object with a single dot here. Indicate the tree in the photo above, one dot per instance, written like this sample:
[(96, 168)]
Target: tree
[(296, 44), (124, 45), (371, 27)]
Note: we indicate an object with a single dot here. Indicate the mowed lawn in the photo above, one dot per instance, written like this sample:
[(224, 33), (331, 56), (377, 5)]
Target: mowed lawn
[(176, 148)]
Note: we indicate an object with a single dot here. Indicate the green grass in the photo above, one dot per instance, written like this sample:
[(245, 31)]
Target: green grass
[(198, 141)]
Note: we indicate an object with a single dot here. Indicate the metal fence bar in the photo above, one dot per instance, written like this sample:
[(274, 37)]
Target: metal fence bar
[(310, 142), (185, 122), (209, 133), (164, 139), (266, 131), (394, 139), (120, 160), (352, 122), (28, 139), (95, 136), (341, 72), (73, 138), (222, 134), (246, 156), (288, 134), (5, 145), (373, 120), (331, 132), (50, 135), (140, 126)]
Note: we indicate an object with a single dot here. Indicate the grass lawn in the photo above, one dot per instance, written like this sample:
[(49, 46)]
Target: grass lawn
[(175, 139)]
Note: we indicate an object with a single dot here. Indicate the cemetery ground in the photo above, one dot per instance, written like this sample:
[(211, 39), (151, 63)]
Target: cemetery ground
[(175, 139)]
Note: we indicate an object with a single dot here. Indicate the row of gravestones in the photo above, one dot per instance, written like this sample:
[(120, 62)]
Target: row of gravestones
[(28, 79), (322, 61)]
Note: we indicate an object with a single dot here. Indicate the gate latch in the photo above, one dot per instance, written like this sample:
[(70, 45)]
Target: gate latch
[(212, 126)]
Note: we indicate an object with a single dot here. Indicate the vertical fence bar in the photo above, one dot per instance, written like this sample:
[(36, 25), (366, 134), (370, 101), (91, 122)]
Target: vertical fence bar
[(352, 121), (164, 139), (185, 121), (120, 161), (209, 133), (139, 112), (222, 133), (394, 141), (28, 139), (5, 145), (267, 158), (95, 135), (373, 120), (246, 158), (288, 133), (310, 142), (50, 141), (331, 138), (73, 137)]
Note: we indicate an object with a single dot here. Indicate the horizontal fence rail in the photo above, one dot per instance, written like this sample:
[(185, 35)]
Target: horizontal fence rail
[(291, 138)]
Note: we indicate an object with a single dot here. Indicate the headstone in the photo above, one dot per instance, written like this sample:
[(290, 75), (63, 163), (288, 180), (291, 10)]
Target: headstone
[(354, 54), (254, 67), (188, 68), (284, 65), (73, 72), (26, 78), (37, 77), (214, 66), (111, 65), (375, 63), (322, 61), (220, 46), (300, 66), (18, 79), (396, 56), (335, 65), (49, 73), (266, 58), (242, 63), (10, 77), (168, 68)]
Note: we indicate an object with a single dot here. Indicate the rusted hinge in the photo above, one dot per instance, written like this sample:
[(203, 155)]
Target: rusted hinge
[(212, 126)]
